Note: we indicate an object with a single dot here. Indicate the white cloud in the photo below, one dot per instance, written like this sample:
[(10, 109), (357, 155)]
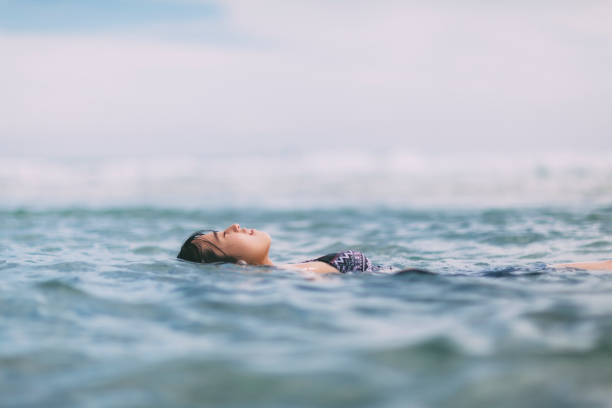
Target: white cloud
[(302, 74)]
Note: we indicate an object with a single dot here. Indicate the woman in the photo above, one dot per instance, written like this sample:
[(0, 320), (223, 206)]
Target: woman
[(251, 247)]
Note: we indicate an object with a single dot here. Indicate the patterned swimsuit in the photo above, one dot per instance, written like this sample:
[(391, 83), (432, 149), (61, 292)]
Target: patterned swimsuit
[(348, 262)]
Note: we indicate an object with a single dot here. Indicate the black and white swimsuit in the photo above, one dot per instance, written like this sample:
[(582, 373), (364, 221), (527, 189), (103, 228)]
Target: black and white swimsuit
[(348, 262)]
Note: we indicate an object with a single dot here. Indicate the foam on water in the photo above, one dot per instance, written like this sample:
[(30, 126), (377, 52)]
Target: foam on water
[(303, 180)]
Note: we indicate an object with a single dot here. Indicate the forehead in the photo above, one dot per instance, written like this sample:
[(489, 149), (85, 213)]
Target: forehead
[(206, 235), (208, 240)]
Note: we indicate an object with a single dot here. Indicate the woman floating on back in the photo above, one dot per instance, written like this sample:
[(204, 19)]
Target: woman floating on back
[(251, 247)]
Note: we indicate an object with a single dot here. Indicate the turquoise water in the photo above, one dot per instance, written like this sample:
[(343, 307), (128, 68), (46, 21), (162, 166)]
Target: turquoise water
[(97, 312)]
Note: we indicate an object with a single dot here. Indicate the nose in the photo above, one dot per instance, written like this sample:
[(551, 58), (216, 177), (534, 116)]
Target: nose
[(233, 228)]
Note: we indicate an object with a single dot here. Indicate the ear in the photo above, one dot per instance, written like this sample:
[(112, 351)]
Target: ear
[(242, 262)]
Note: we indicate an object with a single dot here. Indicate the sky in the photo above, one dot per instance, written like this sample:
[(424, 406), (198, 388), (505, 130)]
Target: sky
[(83, 78)]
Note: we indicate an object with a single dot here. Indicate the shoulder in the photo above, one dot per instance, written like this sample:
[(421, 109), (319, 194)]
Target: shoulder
[(315, 266)]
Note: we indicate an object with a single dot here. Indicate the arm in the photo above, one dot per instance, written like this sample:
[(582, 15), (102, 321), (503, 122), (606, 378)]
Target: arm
[(592, 266)]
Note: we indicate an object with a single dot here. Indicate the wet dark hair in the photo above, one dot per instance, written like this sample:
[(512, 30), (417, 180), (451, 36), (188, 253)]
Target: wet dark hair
[(194, 253)]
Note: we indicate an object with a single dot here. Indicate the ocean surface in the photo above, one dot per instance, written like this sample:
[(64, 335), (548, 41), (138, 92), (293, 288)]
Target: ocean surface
[(96, 311)]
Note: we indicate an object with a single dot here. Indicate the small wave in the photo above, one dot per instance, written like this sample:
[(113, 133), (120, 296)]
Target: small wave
[(513, 271), (7, 265), (598, 244), (414, 272), (148, 250), (420, 354), (59, 286), (71, 266), (515, 239)]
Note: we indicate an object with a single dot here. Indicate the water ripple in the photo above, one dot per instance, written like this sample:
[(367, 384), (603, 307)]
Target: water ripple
[(96, 308)]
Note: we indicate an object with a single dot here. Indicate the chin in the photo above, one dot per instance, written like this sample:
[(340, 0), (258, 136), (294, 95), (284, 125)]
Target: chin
[(266, 236)]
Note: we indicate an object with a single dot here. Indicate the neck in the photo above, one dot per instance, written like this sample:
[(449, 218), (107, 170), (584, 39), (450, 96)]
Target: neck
[(267, 261)]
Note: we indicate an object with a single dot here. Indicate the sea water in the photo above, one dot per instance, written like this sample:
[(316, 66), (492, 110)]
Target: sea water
[(96, 311)]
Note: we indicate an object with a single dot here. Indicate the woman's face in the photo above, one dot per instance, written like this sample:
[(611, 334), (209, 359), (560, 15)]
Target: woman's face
[(249, 245)]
